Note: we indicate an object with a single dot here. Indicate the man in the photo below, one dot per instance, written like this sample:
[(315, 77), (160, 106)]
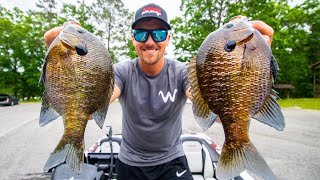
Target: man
[(152, 91)]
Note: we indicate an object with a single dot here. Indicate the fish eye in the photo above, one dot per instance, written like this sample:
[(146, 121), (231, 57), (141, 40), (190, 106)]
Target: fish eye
[(230, 45), (81, 49), (229, 25), (81, 31)]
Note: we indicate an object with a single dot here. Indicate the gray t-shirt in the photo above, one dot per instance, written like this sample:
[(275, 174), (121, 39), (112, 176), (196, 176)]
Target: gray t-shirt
[(151, 112)]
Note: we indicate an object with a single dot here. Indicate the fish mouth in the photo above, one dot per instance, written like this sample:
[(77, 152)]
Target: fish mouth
[(246, 34), (246, 39), (65, 38)]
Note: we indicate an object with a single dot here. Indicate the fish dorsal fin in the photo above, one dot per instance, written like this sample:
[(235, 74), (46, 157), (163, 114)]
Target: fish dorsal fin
[(47, 113), (204, 116), (270, 113)]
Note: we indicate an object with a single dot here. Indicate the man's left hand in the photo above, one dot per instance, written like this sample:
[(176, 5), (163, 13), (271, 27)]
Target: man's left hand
[(264, 29)]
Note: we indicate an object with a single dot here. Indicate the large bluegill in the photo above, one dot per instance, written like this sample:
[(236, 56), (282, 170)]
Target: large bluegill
[(232, 76), (78, 78)]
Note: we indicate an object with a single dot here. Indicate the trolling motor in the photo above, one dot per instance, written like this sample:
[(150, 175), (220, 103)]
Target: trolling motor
[(105, 157), (111, 152)]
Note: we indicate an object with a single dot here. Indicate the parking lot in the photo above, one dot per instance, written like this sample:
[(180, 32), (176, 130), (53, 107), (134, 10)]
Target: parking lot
[(25, 147)]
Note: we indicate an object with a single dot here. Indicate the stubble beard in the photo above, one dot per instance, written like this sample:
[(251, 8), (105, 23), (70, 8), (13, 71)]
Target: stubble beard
[(151, 60)]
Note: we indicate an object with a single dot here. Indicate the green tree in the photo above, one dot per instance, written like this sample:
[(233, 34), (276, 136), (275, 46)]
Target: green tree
[(199, 19), (11, 50), (113, 24), (79, 13), (295, 42), (48, 9), (22, 52), (33, 55)]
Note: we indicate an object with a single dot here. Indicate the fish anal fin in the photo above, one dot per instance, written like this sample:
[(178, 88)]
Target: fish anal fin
[(234, 161), (47, 113), (270, 113), (203, 115), (100, 115)]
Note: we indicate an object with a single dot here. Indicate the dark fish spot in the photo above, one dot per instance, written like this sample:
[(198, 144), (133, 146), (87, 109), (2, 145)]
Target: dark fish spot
[(81, 49), (230, 45), (80, 31), (229, 25)]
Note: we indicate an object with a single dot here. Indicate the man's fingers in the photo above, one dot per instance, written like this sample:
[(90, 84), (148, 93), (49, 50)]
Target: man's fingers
[(264, 29), (50, 35)]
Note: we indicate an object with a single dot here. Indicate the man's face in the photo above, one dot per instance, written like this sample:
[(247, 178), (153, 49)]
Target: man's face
[(150, 52)]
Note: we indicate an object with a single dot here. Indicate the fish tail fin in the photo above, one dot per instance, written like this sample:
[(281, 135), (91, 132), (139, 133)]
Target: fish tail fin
[(70, 154), (234, 161)]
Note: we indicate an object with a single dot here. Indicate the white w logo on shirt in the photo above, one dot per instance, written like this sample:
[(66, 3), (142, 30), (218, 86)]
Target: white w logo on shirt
[(165, 98)]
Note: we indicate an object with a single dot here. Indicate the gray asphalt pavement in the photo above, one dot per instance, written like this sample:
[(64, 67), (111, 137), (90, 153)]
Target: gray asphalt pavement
[(24, 146)]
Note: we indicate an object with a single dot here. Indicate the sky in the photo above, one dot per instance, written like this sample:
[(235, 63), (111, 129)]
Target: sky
[(171, 6)]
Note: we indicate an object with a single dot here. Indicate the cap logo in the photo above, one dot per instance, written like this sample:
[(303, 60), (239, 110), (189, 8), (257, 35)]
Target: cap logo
[(151, 9)]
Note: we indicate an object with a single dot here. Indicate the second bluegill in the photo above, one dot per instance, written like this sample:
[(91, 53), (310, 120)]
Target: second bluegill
[(232, 77)]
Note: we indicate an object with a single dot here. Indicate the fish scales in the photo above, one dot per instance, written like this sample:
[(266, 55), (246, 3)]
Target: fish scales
[(78, 78), (233, 72)]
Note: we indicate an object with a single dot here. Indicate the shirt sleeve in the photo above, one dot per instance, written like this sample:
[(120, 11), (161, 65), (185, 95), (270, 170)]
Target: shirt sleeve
[(120, 71), (184, 77)]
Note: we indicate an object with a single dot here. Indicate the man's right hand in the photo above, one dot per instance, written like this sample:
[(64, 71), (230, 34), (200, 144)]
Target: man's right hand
[(50, 35)]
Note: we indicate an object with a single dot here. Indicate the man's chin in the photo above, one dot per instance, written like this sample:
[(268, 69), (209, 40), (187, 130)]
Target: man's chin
[(150, 61)]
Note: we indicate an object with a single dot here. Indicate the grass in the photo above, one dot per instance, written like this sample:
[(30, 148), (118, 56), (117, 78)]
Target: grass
[(304, 103), (31, 101)]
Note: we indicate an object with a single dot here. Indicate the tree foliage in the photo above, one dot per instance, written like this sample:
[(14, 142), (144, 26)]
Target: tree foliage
[(22, 49), (113, 25), (199, 19), (295, 42)]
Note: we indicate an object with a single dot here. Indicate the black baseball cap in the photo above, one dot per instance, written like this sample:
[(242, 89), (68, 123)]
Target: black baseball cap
[(151, 11)]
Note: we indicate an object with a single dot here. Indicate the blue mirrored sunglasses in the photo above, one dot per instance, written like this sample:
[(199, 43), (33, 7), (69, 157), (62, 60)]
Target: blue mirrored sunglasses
[(157, 35)]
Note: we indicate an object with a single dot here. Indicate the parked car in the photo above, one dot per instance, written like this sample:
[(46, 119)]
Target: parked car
[(6, 99)]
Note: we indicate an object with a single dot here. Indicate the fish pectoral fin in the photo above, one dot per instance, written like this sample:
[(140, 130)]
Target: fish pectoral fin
[(203, 115), (47, 113), (69, 154), (207, 121), (234, 161), (270, 113), (100, 115)]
